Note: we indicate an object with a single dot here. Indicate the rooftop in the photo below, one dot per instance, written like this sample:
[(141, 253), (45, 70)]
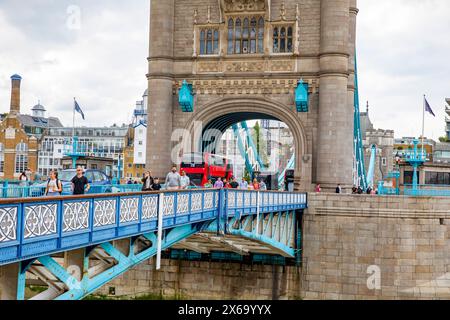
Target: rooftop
[(39, 122)]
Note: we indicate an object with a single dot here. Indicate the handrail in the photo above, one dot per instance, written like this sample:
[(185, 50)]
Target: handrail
[(33, 227)]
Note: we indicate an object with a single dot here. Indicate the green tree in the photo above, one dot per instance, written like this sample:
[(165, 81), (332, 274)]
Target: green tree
[(261, 143)]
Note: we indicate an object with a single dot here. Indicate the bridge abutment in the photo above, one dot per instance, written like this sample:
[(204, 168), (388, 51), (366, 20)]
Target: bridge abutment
[(9, 281), (209, 280)]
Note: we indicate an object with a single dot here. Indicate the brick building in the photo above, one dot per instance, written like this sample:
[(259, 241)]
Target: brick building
[(20, 134)]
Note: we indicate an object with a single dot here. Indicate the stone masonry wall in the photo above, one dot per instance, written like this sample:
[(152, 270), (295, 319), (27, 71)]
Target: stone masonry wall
[(347, 240), (208, 280), (406, 238)]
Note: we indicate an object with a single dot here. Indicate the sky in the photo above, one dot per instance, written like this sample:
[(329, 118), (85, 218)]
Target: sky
[(96, 51)]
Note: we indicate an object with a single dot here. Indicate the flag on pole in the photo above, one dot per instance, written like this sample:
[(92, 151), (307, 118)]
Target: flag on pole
[(428, 108), (78, 109)]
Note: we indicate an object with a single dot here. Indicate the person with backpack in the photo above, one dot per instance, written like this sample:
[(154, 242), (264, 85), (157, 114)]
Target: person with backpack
[(54, 185)]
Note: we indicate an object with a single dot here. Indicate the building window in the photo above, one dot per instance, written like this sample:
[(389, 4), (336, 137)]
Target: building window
[(21, 157), (282, 39), (408, 177), (245, 35), (209, 41), (437, 178), (2, 158)]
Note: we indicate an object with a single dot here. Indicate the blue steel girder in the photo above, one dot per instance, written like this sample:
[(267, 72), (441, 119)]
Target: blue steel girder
[(280, 224), (80, 289), (255, 216), (360, 169)]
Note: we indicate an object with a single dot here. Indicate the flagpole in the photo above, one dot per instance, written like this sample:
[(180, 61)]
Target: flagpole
[(423, 125), (73, 129)]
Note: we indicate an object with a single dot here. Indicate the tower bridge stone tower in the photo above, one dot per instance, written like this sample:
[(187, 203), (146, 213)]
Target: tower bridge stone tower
[(244, 59)]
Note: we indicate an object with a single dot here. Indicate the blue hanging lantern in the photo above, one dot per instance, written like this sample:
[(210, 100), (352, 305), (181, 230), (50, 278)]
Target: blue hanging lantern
[(301, 97), (186, 97)]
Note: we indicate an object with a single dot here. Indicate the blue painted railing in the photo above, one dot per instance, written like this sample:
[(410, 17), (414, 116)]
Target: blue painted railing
[(34, 191), (31, 228), (427, 191)]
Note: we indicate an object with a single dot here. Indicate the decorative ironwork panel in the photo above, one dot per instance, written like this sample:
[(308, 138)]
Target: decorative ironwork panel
[(104, 212), (196, 204), (76, 216), (149, 207), (216, 200), (231, 200), (8, 224), (254, 197), (209, 200), (169, 205), (266, 199), (247, 199), (129, 210), (40, 220), (183, 203), (240, 199)]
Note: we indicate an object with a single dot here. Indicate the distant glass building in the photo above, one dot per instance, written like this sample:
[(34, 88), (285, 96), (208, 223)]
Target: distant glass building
[(107, 142)]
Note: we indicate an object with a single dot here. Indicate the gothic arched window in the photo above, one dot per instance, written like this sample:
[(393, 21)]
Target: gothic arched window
[(261, 35), (230, 36), (282, 39), (246, 35), (209, 41), (21, 157)]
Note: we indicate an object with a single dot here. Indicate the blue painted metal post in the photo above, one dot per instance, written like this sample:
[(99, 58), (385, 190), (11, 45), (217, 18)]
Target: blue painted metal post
[(160, 226), (371, 172), (222, 212), (257, 213), (5, 189)]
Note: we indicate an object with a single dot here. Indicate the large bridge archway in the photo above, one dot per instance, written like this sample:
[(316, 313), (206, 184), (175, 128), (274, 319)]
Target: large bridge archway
[(225, 112)]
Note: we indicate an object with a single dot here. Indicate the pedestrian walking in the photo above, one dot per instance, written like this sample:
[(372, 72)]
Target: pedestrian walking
[(209, 184), (262, 186), (23, 179), (318, 188), (173, 180), (243, 184), (234, 184), (54, 186), (184, 180), (256, 185), (80, 184), (218, 184), (147, 182), (338, 189), (156, 185)]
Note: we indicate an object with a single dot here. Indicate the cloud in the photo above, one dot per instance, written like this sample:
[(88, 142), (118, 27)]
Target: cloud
[(402, 52), (103, 63)]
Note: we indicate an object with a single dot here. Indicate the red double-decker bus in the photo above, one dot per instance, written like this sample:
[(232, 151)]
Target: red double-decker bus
[(200, 167)]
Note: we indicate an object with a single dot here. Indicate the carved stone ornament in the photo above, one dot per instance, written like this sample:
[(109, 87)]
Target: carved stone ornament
[(243, 5)]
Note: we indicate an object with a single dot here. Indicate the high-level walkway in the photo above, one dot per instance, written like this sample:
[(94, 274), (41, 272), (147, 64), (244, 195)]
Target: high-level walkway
[(75, 245)]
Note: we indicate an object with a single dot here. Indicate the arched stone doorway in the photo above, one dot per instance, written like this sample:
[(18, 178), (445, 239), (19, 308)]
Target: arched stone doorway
[(223, 113)]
